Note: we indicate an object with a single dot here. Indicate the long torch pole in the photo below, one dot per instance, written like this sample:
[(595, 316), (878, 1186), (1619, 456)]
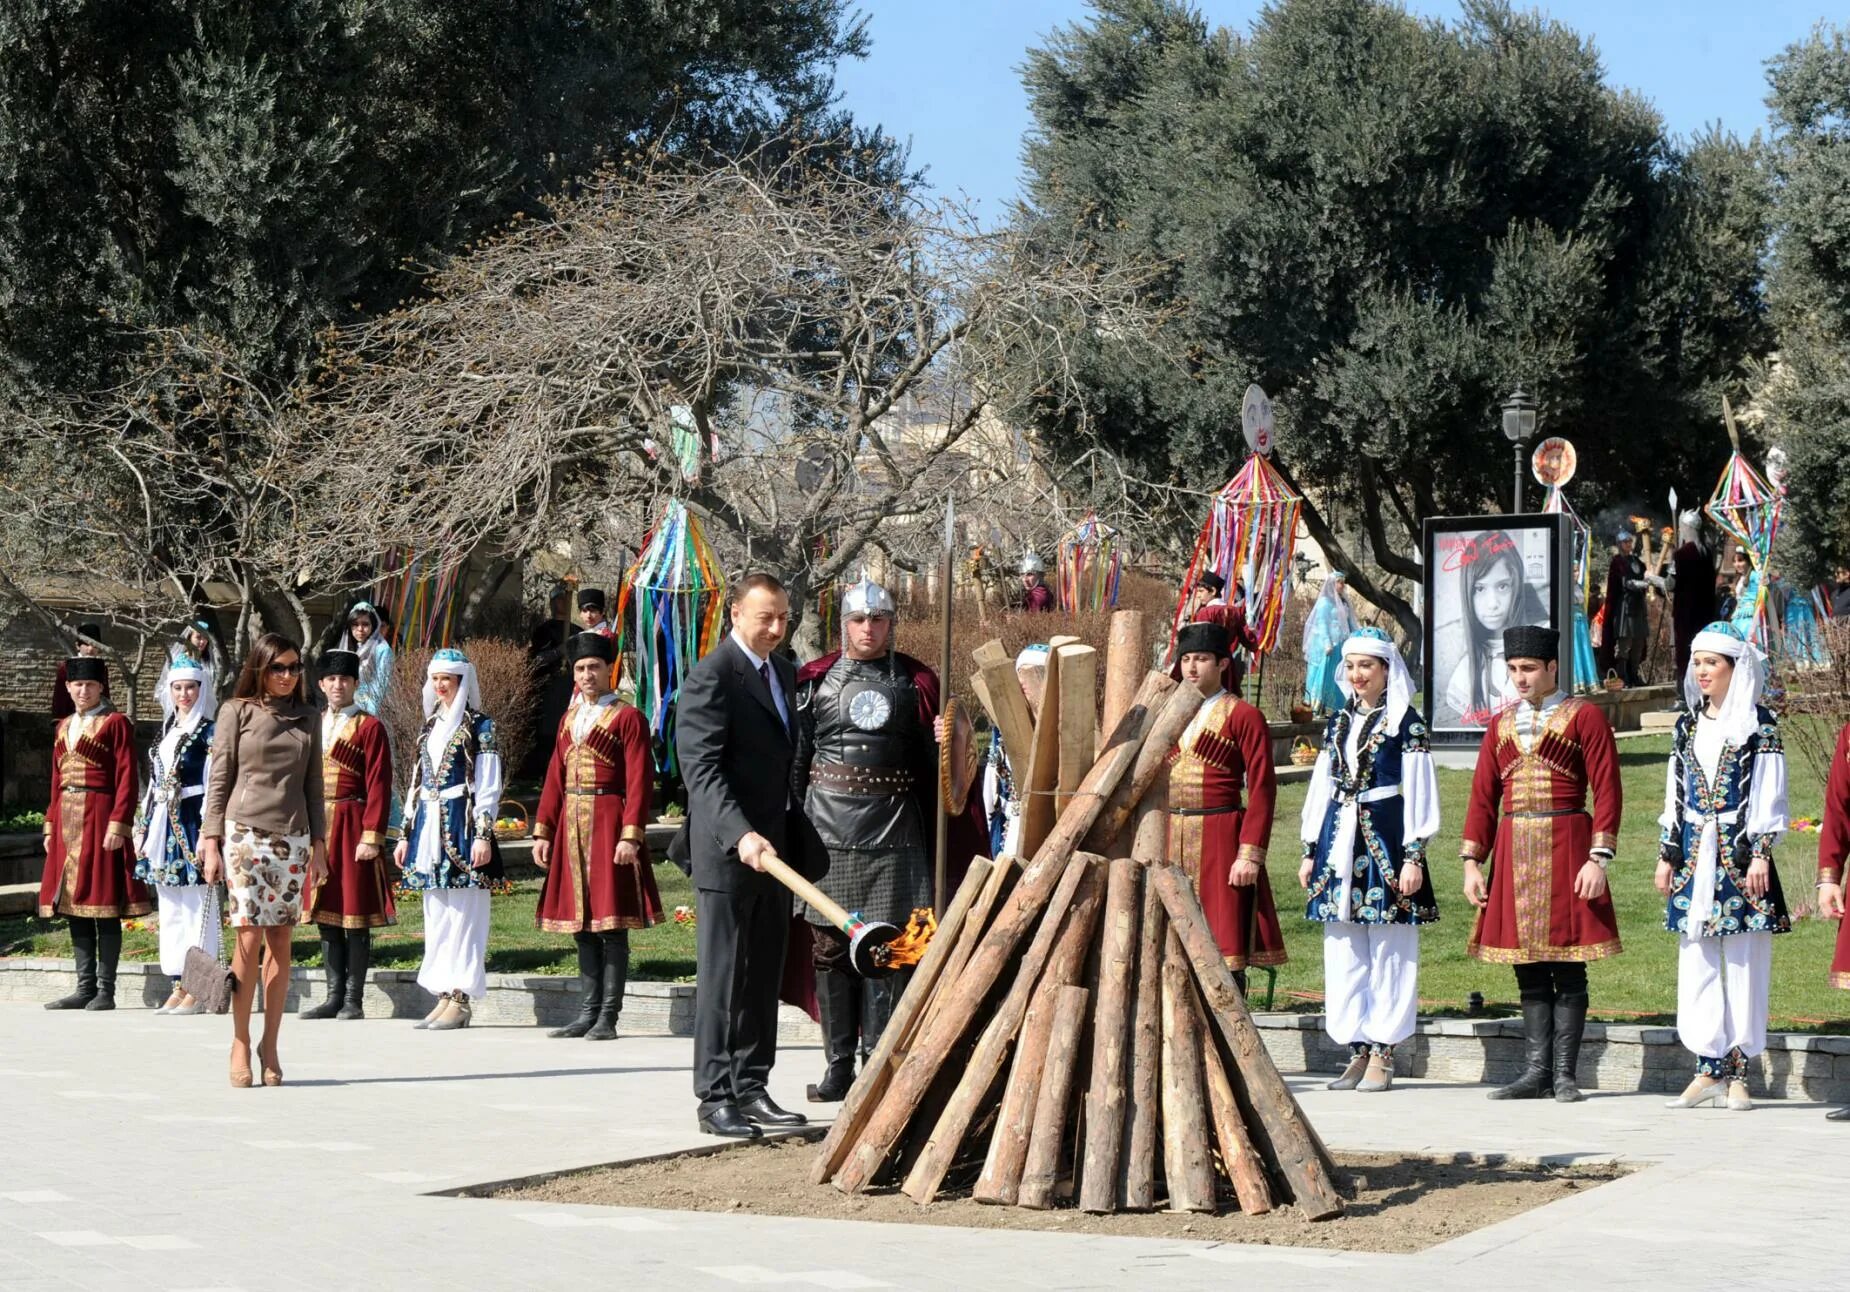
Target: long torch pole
[(946, 572)]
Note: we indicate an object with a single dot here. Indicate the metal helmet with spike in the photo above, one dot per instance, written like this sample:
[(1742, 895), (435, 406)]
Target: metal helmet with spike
[(1032, 564), (865, 597)]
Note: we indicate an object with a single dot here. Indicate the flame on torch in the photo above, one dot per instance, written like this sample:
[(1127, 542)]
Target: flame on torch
[(909, 947)]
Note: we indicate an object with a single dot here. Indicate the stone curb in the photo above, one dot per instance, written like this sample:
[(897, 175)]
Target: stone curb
[(1615, 1056)]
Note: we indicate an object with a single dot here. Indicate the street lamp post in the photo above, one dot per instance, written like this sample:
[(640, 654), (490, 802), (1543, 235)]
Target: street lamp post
[(1518, 425)]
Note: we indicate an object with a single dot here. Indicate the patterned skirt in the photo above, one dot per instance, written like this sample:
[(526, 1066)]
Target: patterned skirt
[(264, 876)]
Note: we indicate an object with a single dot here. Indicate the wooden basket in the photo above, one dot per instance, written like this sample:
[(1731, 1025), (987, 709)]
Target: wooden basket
[(1613, 681), (520, 831), (1303, 753)]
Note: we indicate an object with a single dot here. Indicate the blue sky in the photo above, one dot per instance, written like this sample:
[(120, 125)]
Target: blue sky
[(945, 73)]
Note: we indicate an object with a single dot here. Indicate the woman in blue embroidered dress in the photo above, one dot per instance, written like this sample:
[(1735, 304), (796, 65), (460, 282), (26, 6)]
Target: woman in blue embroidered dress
[(167, 825), (448, 852), (1373, 804), (1724, 809)]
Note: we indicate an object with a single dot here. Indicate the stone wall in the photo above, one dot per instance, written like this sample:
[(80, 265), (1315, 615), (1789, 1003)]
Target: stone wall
[(29, 655), (25, 757)]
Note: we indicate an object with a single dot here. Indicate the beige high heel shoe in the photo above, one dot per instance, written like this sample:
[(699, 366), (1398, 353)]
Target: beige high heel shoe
[(443, 1003), (456, 1016), (1738, 1101), (1700, 1092), (241, 1077), (1380, 1073), (1358, 1064)]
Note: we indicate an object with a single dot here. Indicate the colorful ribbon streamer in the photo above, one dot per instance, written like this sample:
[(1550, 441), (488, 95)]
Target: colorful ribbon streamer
[(1088, 566), (674, 599), (1250, 536), (1747, 508)]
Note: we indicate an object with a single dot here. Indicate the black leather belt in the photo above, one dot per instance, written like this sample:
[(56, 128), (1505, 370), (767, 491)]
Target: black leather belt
[(844, 778), (82, 789), (1207, 811), (591, 793), (1537, 816), (352, 798)]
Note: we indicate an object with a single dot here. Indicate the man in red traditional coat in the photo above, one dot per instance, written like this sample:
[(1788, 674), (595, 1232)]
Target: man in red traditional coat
[(1225, 751), (88, 637), (89, 867), (1208, 604), (1545, 908), (356, 786), (589, 836), (1833, 849)]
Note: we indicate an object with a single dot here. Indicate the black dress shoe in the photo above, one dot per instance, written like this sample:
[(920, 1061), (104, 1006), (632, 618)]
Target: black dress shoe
[(1838, 1115), (727, 1122), (765, 1113)]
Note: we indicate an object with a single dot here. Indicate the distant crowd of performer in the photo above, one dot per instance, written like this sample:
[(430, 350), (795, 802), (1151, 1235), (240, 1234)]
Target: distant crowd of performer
[(836, 768)]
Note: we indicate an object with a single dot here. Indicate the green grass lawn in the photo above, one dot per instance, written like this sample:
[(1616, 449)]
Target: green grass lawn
[(1639, 985)]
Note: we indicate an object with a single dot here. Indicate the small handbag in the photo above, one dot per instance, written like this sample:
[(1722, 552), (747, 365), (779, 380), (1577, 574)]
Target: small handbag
[(205, 978)]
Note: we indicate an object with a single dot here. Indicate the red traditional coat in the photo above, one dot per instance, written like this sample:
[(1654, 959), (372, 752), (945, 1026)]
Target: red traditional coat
[(1834, 845), (356, 786), (597, 795), (1532, 807), (93, 793), (1210, 828)]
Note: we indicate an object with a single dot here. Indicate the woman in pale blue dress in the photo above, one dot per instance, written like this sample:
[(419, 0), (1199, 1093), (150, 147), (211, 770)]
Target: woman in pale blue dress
[(1329, 625)]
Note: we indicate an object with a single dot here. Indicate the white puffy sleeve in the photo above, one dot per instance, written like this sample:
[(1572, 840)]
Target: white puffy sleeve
[(1317, 801), (489, 777), (1766, 798), (1419, 792)]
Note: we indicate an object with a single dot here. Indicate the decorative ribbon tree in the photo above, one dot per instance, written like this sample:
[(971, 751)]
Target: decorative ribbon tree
[(1746, 507), (420, 600), (1249, 539), (669, 613), (1088, 566)]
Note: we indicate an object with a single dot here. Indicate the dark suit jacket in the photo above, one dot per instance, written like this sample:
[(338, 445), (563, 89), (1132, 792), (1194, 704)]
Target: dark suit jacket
[(736, 755)]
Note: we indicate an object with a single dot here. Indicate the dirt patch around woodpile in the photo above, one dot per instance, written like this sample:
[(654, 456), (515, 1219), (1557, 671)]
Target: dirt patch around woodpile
[(1397, 1202)]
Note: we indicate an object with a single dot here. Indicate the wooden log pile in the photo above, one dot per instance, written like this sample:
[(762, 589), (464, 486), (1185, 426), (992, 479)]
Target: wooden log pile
[(1072, 1036)]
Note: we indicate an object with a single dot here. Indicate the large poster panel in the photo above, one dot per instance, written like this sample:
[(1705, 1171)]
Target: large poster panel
[(1484, 574)]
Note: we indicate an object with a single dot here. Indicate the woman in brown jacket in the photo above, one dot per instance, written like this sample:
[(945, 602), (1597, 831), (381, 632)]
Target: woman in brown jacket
[(264, 830)]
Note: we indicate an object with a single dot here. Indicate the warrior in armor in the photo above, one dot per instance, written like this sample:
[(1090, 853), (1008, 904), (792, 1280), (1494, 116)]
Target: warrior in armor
[(866, 770)]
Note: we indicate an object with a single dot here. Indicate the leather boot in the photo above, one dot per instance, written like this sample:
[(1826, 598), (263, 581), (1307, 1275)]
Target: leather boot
[(841, 1025), (83, 947), (359, 950), (615, 947), (1239, 980), (1570, 1021), (108, 951), (590, 985), (334, 956), (1538, 1029)]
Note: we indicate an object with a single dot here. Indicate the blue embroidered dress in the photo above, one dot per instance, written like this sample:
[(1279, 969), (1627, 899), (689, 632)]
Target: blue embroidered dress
[(1375, 796), (452, 804), (167, 821), (1742, 807)]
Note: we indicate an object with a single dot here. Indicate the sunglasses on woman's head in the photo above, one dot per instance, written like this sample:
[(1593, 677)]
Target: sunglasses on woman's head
[(286, 670)]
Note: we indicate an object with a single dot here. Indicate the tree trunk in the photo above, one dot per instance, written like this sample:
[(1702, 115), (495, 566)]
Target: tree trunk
[(1137, 1185), (1126, 658), (919, 992), (1285, 1139), (1050, 1115), (1186, 1168), (1030, 898), (1104, 1121), (1038, 975)]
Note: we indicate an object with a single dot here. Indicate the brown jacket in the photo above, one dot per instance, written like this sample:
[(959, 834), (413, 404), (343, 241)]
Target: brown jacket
[(266, 770)]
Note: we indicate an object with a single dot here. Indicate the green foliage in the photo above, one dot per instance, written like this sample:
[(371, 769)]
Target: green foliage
[(1388, 223), (1807, 395), (259, 169)]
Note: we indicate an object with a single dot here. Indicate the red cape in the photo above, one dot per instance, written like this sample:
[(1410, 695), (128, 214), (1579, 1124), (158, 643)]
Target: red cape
[(969, 831)]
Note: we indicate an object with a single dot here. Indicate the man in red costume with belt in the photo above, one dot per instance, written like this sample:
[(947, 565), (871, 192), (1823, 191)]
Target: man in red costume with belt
[(1224, 753), (1833, 849), (89, 867), (589, 836), (1545, 908), (356, 786)]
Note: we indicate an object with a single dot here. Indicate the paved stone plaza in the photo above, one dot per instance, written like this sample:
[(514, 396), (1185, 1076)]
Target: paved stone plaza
[(127, 1161)]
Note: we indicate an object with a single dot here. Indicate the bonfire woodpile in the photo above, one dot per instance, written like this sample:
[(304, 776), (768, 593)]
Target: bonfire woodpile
[(1072, 1035)]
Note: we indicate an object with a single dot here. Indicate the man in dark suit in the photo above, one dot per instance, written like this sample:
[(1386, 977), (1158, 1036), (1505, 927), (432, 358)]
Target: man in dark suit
[(736, 741)]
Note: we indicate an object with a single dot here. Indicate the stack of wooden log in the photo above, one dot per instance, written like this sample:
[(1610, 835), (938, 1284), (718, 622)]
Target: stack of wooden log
[(1073, 1036)]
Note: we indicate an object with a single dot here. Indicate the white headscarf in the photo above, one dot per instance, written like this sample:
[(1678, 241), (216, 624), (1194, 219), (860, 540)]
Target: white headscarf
[(1739, 716), (1399, 693), (184, 668), (453, 663), (1318, 634)]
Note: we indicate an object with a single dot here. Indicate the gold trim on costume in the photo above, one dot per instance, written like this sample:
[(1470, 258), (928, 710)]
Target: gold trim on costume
[(1543, 954), (1472, 850), (374, 837), (541, 830), (1250, 852), (633, 834), (1609, 842)]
